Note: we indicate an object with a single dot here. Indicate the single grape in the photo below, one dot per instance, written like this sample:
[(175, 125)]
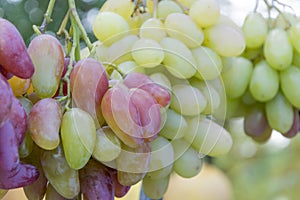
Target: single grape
[(166, 7), (205, 12), (209, 63), (89, 82), (96, 182), (47, 56), (290, 81), (14, 57), (295, 126), (278, 58), (236, 76), (44, 122), (180, 26), (119, 189), (280, 114), (130, 66), (284, 20), (255, 29), (188, 162), (51, 194), (124, 8), (78, 129), (225, 40), (5, 99), (155, 189), (162, 80), (18, 85), (208, 137), (153, 29), (147, 53), (264, 82), (108, 146), (120, 51), (178, 60), (109, 27), (174, 127), (187, 3), (294, 33), (64, 179), (187, 100)]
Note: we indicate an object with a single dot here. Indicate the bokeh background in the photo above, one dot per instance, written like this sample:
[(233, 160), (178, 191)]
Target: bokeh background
[(269, 171)]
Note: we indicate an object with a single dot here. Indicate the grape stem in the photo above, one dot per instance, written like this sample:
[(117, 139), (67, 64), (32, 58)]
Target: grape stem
[(47, 19)]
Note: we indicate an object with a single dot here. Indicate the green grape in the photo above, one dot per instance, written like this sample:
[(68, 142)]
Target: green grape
[(47, 55), (134, 23), (120, 51), (252, 54), (133, 163), (247, 98), (64, 179), (255, 29), (284, 20), (208, 137), (210, 93), (161, 158), (178, 60), (188, 161), (290, 81), (280, 113), (278, 58), (294, 34), (187, 3), (26, 146), (109, 27), (130, 66), (155, 189), (175, 125), (225, 20), (166, 7), (78, 130), (161, 80), (209, 64), (180, 26), (108, 146), (125, 8), (225, 40), (296, 59), (234, 108), (147, 53), (264, 82), (205, 12), (153, 29), (236, 76), (187, 100)]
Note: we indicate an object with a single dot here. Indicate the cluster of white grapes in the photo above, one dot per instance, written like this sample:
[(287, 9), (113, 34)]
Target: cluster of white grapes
[(179, 45)]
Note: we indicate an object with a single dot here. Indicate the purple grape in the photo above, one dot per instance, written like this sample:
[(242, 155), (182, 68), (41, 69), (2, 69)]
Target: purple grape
[(96, 182), (13, 174), (295, 126), (5, 99)]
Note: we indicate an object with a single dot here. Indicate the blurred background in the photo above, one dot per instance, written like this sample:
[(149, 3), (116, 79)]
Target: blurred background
[(269, 171)]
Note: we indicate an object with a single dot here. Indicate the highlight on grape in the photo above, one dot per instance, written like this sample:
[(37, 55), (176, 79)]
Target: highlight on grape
[(149, 98)]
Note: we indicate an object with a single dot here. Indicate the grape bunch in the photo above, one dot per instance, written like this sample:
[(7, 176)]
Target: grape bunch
[(263, 82)]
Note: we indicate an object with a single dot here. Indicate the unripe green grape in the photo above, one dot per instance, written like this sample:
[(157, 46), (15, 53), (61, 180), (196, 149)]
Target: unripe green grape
[(147, 53), (209, 64), (290, 81), (225, 40), (188, 161), (280, 113), (278, 50), (108, 146), (109, 27), (178, 60), (166, 7), (187, 100), (161, 79), (296, 59), (182, 27), (175, 125), (284, 20), (153, 29), (125, 8), (264, 82), (205, 12), (78, 130), (187, 3), (236, 76), (255, 30)]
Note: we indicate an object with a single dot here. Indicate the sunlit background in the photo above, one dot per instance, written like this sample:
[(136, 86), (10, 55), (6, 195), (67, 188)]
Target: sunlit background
[(269, 171)]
